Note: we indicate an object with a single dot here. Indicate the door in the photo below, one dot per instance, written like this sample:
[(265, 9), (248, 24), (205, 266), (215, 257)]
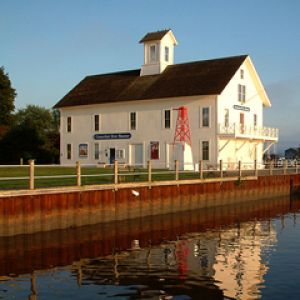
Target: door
[(242, 123), (137, 154), (112, 155)]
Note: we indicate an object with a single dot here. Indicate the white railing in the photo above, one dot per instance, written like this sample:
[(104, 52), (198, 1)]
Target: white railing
[(244, 131)]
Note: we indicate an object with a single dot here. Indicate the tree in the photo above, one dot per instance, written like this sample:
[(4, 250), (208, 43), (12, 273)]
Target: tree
[(20, 142), (34, 136), (38, 117), (7, 98)]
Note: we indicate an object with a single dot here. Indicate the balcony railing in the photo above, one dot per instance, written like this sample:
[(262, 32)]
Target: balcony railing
[(250, 132)]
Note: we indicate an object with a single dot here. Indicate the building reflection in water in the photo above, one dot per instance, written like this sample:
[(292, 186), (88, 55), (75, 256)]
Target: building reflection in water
[(205, 254), (228, 260)]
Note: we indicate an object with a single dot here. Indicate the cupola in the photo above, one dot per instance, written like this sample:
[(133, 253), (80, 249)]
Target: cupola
[(158, 51)]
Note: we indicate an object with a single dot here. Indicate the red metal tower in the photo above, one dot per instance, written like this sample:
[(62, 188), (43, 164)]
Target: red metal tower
[(182, 131)]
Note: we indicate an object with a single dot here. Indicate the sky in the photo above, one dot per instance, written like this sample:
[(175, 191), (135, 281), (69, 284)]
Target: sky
[(48, 46)]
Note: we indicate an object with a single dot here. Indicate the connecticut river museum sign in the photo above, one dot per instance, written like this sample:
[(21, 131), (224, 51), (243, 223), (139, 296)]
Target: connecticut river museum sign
[(112, 136), (239, 107)]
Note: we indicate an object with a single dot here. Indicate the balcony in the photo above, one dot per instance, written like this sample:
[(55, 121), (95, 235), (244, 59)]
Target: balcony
[(249, 132)]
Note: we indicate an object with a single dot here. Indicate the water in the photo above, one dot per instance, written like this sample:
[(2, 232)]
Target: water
[(245, 251)]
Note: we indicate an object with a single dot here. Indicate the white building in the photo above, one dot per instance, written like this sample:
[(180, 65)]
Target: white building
[(130, 116)]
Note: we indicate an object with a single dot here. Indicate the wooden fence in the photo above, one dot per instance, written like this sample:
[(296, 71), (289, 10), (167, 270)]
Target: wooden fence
[(119, 173)]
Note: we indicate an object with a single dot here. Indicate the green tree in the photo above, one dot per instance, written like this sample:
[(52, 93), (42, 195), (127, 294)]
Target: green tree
[(34, 136), (7, 98), (21, 141), (36, 116)]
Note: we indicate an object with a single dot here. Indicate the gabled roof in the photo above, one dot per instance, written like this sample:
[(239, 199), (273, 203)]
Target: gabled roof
[(154, 36), (258, 84), (208, 77)]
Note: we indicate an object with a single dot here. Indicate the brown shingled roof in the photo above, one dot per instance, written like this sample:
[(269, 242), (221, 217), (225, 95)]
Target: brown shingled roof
[(208, 77), (154, 36)]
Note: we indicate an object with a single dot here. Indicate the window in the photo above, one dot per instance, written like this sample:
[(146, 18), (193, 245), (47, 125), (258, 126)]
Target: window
[(166, 53), (96, 122), (255, 120), (152, 53), (242, 74), (69, 151), (226, 117), (205, 150), (120, 153), (133, 121), (83, 150), (154, 150), (205, 117), (69, 124), (167, 118), (241, 93), (97, 152)]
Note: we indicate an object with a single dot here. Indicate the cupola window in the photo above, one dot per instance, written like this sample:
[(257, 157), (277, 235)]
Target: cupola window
[(152, 53), (166, 53)]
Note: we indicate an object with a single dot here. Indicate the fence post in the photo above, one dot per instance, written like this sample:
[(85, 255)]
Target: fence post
[(116, 171), (176, 170), (149, 172), (240, 170), (31, 174), (21, 161), (221, 168), (201, 168), (271, 167), (78, 173), (255, 168)]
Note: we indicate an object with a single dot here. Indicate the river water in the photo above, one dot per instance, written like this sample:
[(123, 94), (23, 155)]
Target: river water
[(245, 251)]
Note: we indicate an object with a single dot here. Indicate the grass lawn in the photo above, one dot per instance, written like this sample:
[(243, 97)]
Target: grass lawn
[(90, 175), (69, 180)]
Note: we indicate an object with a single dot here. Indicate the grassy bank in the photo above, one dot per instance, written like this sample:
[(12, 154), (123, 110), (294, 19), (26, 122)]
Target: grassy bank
[(18, 177)]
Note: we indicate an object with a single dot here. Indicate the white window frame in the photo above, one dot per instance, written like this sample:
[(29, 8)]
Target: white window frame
[(120, 153), (242, 74), (164, 118), (241, 93), (167, 54), (71, 151), (136, 120), (153, 46), (209, 150), (97, 155), (255, 119), (94, 122), (201, 116), (71, 124), (226, 117)]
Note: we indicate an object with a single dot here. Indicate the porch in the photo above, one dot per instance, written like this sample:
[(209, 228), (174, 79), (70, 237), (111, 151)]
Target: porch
[(248, 132)]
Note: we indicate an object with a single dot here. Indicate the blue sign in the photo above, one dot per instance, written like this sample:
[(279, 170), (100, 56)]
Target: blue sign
[(112, 136)]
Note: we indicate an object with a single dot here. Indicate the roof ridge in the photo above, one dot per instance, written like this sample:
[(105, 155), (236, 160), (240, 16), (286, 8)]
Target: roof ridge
[(178, 64), (114, 73), (211, 59)]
